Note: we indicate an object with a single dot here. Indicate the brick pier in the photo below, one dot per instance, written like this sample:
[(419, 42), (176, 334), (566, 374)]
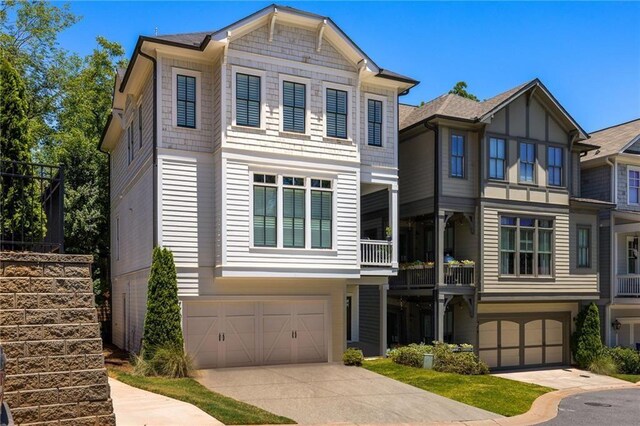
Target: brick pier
[(51, 337)]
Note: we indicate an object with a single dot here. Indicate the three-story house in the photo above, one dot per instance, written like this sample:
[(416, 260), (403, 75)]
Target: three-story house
[(246, 151), (612, 174), (497, 247)]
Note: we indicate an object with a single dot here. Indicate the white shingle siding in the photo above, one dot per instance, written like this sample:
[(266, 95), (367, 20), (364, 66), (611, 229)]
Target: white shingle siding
[(379, 156), (295, 44), (200, 139)]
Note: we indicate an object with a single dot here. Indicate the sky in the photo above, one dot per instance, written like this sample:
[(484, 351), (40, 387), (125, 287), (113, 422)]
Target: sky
[(586, 53)]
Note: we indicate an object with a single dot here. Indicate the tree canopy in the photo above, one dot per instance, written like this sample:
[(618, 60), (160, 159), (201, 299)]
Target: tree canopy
[(460, 89)]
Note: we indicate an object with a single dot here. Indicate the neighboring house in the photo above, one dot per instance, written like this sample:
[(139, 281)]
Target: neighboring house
[(246, 151), (496, 183), (612, 174)]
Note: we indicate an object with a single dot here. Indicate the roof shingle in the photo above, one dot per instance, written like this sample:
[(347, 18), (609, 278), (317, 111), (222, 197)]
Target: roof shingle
[(613, 139)]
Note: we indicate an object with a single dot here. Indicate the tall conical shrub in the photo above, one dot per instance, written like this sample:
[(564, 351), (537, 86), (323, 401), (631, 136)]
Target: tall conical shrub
[(586, 343), (162, 323)]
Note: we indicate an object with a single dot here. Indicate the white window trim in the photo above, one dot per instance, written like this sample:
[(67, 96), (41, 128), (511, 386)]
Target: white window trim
[(263, 95), (174, 98), (307, 113), (383, 131), (280, 212), (350, 111), (629, 170)]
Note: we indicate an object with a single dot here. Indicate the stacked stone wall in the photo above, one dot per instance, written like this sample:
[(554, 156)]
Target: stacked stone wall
[(51, 337)]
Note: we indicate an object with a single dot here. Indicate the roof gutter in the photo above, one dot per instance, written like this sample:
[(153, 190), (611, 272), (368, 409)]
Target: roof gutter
[(154, 195)]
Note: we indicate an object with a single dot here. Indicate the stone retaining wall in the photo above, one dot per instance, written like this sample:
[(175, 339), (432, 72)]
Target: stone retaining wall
[(51, 337)]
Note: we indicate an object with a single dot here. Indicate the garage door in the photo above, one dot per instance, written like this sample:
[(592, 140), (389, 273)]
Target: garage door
[(234, 334), (524, 340)]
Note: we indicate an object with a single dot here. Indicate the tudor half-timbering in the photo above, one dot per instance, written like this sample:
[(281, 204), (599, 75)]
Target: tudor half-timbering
[(612, 174), (497, 248), (246, 151)]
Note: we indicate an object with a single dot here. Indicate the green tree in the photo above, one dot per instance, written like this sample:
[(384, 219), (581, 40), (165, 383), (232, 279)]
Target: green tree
[(162, 323), (460, 89), (28, 34), (586, 342), (22, 214)]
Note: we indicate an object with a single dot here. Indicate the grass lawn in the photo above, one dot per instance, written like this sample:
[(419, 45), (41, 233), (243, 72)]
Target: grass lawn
[(633, 378), (227, 410), (495, 394)]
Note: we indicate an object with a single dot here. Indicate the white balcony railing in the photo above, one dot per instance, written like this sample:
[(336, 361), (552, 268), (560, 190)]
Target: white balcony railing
[(628, 285), (375, 253), (459, 274)]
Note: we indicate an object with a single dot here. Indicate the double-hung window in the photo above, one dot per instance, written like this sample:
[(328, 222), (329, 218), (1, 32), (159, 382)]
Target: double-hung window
[(294, 98), (527, 162), (584, 247), (336, 113), (633, 256), (321, 213), (457, 156), (634, 186), (265, 210), (374, 122), (186, 101), (497, 158), (248, 99), (554, 166), (293, 211), (526, 246)]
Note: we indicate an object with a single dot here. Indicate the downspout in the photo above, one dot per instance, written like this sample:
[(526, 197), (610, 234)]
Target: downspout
[(155, 146)]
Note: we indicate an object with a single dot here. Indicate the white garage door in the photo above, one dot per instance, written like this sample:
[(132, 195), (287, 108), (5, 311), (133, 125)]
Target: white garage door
[(524, 341), (233, 334)]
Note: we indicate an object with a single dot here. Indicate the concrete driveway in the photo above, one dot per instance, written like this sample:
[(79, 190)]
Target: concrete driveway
[(562, 378), (137, 407), (333, 393)]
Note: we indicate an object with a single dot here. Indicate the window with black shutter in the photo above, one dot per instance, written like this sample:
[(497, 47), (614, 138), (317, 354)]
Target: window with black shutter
[(294, 107), (374, 118), (336, 111), (186, 101), (247, 100)]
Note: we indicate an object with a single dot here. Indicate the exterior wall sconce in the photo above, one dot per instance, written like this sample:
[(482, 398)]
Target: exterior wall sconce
[(616, 325)]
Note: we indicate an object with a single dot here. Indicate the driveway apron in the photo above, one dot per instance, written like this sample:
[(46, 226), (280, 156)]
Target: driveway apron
[(333, 393)]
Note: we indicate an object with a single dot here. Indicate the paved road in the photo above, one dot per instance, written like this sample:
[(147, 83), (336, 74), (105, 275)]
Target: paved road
[(614, 407)]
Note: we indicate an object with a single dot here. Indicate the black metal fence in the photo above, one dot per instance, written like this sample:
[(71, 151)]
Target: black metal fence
[(31, 207)]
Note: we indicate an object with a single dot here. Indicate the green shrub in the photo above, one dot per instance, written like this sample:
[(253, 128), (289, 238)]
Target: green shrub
[(142, 367), (353, 356), (171, 361), (627, 360), (162, 323), (411, 355), (603, 364), (448, 359), (586, 343)]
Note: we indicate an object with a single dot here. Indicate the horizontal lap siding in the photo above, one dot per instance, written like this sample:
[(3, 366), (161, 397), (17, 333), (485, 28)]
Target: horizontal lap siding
[(187, 216), (564, 281), (369, 311), (238, 232), (416, 168)]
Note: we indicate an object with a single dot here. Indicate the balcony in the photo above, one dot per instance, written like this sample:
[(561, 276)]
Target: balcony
[(376, 253), (628, 285), (423, 276)]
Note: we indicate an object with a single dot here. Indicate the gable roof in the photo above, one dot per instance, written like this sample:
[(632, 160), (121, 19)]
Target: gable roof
[(459, 108), (614, 140), (200, 40)]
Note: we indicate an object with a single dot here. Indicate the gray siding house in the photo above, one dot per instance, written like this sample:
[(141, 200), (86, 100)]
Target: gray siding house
[(612, 174)]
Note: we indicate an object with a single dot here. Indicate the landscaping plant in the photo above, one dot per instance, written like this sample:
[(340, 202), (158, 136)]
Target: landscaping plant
[(586, 343), (162, 323), (449, 359), (172, 361), (411, 355), (353, 356), (603, 364), (626, 359)]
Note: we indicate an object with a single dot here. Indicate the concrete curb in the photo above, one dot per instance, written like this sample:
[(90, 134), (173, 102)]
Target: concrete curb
[(543, 409)]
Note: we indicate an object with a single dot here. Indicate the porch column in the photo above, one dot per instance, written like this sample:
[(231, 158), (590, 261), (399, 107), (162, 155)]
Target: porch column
[(439, 223), (439, 306), (393, 223), (383, 319)]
